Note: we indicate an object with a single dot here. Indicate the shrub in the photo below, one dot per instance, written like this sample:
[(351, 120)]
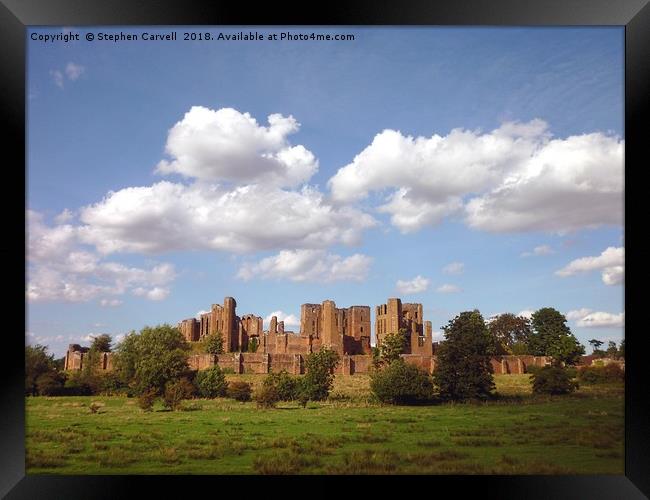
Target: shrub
[(286, 386), (253, 345), (401, 383), (553, 380), (177, 391), (81, 384), (240, 391), (533, 369), (601, 374), (147, 399), (267, 396), (316, 384), (211, 382), (50, 383)]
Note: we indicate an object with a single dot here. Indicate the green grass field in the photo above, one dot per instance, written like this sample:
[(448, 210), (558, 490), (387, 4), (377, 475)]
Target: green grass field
[(349, 434)]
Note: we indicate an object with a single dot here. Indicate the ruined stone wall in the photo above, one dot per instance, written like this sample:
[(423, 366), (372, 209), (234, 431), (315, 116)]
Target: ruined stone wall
[(388, 318), (190, 329), (223, 320), (310, 320), (249, 326)]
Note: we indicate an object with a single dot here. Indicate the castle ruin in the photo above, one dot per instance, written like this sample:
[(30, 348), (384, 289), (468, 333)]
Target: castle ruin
[(344, 330)]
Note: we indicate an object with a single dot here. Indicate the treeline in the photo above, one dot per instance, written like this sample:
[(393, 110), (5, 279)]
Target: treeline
[(153, 365), (463, 370)]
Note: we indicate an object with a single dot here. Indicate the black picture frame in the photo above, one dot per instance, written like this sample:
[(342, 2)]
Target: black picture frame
[(16, 15)]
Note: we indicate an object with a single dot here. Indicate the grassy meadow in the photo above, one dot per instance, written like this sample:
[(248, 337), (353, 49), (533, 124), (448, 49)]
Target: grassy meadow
[(349, 434)]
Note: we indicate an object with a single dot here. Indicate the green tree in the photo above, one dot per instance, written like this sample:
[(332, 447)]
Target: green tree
[(101, 343), (253, 344), (41, 375), (318, 380), (612, 350), (463, 370), (552, 337), (621, 349), (508, 331), (595, 346), (213, 343), (392, 345), (152, 358)]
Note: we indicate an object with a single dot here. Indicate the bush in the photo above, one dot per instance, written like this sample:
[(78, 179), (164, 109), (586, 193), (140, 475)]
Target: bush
[(267, 396), (79, 383), (533, 369), (286, 386), (316, 384), (241, 391), (553, 380), (176, 392), (211, 382), (601, 374), (50, 383), (401, 383), (147, 399)]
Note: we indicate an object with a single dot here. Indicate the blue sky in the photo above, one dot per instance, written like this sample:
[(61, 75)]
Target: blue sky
[(157, 184)]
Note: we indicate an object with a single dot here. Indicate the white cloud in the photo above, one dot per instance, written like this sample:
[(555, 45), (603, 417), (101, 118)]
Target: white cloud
[(199, 313), (447, 288), (169, 216), (577, 314), (567, 184), (596, 319), (610, 262), (308, 265), (290, 320), (110, 302), (520, 179), (454, 268), (226, 145), (155, 293), (416, 285), (59, 268), (57, 78), (538, 251), (74, 71), (526, 313), (63, 217)]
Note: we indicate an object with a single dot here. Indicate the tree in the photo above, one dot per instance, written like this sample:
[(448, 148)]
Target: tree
[(41, 375), (552, 337), (317, 382), (101, 343), (213, 343), (508, 331), (612, 350), (152, 358), (253, 344), (463, 370), (621, 349), (595, 345), (392, 345)]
